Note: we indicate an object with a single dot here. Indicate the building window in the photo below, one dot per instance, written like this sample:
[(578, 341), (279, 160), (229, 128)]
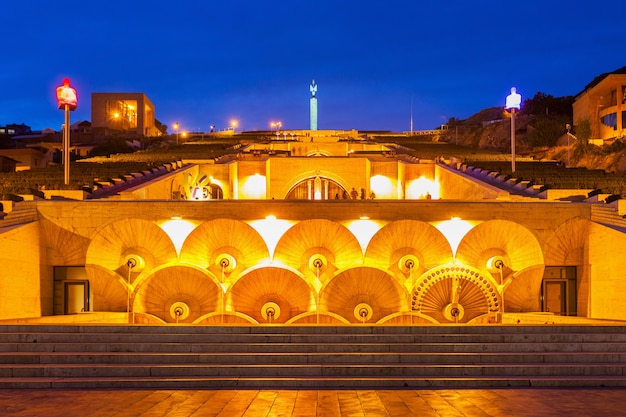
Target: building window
[(610, 120)]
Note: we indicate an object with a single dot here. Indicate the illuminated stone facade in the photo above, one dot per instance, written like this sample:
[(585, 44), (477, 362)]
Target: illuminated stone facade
[(430, 246), (603, 103)]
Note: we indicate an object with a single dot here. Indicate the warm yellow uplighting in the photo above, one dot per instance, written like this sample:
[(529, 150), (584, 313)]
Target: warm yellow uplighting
[(363, 229), (253, 187), (271, 230), (454, 230), (423, 188), (382, 187), (178, 230)]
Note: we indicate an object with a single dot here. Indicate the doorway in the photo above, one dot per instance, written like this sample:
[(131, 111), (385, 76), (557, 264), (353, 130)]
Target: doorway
[(558, 291), (555, 296), (76, 296)]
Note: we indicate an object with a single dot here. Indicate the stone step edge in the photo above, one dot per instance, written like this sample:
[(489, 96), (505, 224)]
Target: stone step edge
[(322, 354), (288, 347), (548, 329), (343, 365), (219, 337), (313, 382)]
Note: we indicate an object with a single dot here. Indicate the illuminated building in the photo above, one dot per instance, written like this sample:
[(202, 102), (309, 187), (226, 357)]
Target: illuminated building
[(123, 113), (603, 103), (272, 235)]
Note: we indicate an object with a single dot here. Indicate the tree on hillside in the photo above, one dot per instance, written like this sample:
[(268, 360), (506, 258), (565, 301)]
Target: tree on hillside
[(547, 130), (545, 104), (549, 115), (583, 131)]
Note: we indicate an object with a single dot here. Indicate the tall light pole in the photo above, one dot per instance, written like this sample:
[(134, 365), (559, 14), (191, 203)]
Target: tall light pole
[(411, 119), (513, 102), (568, 127), (67, 101), (176, 127)]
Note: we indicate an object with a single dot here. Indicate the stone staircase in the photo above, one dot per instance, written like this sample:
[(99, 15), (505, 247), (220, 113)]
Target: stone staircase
[(608, 215), (311, 357), (23, 212)]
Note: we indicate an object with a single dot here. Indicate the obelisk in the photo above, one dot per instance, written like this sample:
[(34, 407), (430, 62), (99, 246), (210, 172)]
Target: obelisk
[(313, 106)]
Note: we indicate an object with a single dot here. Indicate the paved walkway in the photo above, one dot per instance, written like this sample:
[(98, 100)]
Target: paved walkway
[(303, 403)]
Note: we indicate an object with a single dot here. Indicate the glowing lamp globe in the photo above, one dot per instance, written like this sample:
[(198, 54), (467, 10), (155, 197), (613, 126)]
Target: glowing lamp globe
[(66, 96)]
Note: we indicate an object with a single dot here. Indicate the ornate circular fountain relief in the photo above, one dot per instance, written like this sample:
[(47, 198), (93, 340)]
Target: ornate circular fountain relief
[(226, 262), (270, 311), (179, 311), (363, 312)]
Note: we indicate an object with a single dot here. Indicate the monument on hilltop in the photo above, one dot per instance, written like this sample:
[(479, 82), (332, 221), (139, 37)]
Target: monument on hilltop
[(313, 106)]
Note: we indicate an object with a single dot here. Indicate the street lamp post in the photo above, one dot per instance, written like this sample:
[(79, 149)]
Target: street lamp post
[(513, 102), (568, 127), (176, 126), (67, 101)]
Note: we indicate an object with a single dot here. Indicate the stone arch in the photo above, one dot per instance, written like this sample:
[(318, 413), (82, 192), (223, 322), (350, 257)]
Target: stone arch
[(375, 291), (318, 317), (311, 175), (567, 243), (225, 247), (193, 289), (408, 248), (109, 292), (270, 287), (405, 318), (322, 239), (193, 183), (225, 318), (329, 190), (512, 240), (455, 294), (66, 248), (117, 242), (520, 252)]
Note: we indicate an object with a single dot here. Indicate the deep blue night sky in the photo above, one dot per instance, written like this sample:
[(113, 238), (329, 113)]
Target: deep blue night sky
[(204, 62)]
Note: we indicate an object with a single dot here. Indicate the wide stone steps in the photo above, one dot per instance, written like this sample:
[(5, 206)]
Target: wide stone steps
[(607, 215), (23, 212), (273, 370), (356, 358), (297, 348), (103, 356)]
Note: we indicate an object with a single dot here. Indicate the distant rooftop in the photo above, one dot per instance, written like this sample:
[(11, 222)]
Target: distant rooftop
[(601, 77)]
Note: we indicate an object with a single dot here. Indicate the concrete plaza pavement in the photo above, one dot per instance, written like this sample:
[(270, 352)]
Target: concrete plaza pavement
[(313, 403)]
